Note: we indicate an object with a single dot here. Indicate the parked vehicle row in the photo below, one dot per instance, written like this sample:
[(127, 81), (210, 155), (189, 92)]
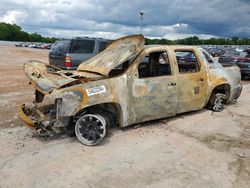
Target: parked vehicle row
[(233, 55), (39, 45)]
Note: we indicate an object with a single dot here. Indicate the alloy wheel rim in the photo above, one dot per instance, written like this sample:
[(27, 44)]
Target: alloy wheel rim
[(218, 103), (90, 129)]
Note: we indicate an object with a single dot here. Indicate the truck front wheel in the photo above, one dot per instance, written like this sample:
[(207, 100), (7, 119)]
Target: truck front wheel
[(90, 129)]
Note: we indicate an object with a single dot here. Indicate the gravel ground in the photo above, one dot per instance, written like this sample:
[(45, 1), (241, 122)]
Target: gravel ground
[(196, 149)]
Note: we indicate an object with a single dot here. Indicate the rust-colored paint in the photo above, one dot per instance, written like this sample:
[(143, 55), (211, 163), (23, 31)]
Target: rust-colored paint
[(84, 93)]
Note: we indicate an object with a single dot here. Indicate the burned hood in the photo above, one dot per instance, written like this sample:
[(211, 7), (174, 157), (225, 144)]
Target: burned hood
[(45, 77), (115, 54)]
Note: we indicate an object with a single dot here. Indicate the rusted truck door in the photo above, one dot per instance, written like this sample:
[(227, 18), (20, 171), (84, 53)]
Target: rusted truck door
[(192, 81), (154, 89)]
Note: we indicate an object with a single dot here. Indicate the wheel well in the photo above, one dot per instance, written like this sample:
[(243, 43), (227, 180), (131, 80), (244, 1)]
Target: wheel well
[(223, 88), (111, 110)]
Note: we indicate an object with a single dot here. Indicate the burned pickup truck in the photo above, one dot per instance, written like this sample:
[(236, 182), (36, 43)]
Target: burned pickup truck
[(127, 83)]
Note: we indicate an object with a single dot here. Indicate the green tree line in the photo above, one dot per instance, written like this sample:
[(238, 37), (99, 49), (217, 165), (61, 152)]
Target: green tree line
[(13, 32), (196, 41)]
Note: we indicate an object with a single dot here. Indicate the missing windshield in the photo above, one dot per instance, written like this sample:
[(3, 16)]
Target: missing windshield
[(120, 69)]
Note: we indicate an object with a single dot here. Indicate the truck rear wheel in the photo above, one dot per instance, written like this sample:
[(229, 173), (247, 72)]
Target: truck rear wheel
[(90, 129), (216, 103)]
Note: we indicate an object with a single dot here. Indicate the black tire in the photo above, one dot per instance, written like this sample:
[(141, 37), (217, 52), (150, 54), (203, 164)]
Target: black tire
[(91, 129), (216, 102)]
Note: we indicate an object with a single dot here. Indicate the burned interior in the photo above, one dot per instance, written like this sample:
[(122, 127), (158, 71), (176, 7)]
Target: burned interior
[(154, 64)]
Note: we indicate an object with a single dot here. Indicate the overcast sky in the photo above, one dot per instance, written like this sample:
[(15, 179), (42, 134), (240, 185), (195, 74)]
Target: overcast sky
[(169, 19)]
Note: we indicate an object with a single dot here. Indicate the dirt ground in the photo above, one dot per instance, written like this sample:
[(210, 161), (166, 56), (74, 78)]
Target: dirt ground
[(197, 149)]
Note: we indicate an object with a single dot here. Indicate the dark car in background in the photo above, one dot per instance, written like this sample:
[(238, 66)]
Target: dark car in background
[(244, 65), (241, 59), (215, 52), (69, 53), (231, 57)]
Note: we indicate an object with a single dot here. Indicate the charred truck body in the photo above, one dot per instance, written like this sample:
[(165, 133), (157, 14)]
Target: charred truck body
[(127, 83)]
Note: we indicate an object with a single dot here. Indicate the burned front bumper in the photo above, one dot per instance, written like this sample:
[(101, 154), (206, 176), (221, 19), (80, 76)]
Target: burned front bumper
[(42, 119), (53, 113), (26, 118), (46, 120), (36, 117)]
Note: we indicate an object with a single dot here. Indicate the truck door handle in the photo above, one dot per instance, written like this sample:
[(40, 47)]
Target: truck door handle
[(172, 84)]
